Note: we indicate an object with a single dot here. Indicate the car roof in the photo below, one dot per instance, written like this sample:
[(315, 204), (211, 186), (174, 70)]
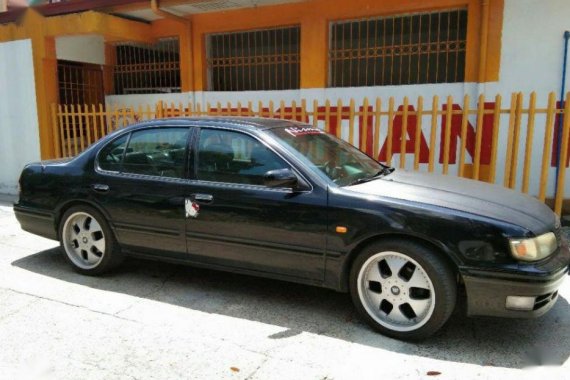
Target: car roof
[(238, 122)]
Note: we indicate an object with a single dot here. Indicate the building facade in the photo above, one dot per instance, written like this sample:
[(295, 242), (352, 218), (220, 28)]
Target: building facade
[(319, 57)]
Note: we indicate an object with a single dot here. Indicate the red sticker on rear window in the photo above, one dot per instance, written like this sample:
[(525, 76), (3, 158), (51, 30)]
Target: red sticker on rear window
[(295, 131)]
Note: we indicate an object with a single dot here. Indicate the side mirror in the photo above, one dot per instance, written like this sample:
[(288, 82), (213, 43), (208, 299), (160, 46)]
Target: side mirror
[(280, 178)]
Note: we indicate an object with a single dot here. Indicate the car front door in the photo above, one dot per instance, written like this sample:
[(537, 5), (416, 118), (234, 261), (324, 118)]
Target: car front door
[(140, 184), (233, 219)]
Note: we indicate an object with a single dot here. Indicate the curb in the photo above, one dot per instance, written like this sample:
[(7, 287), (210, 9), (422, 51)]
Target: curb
[(8, 198)]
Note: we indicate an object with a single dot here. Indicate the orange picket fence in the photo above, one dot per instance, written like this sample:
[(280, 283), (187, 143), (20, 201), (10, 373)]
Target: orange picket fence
[(517, 141)]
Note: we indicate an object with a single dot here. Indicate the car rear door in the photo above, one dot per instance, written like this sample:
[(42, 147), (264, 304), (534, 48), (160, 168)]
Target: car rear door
[(141, 185), (234, 220)]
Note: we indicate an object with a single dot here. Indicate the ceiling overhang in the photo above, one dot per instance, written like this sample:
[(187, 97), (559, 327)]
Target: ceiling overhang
[(141, 9)]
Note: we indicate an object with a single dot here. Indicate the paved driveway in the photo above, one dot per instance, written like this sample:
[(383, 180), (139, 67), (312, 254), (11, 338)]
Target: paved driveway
[(152, 320)]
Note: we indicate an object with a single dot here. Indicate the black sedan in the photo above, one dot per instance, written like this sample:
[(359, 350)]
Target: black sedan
[(285, 200)]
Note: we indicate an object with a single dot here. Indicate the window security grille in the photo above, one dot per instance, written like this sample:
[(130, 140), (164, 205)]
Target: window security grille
[(79, 83), (147, 69), (403, 49), (265, 59)]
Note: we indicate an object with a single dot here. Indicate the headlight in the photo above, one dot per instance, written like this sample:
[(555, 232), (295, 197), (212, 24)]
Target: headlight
[(534, 249)]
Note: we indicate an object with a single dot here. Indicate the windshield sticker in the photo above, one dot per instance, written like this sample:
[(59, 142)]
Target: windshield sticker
[(296, 131)]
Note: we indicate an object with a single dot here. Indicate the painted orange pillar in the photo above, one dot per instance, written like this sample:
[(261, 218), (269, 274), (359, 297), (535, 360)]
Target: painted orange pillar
[(186, 59), (108, 69), (183, 30), (495, 31), (45, 74), (50, 93), (314, 46), (198, 58)]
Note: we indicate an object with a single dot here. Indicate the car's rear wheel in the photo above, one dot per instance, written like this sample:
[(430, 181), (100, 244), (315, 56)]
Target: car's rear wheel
[(88, 242), (403, 289)]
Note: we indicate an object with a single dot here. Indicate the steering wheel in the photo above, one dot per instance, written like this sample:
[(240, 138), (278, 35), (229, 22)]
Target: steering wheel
[(336, 173)]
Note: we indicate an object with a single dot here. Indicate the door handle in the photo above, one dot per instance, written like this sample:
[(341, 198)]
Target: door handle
[(100, 188), (203, 198)]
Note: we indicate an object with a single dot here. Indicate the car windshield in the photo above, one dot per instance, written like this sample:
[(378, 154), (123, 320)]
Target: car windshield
[(338, 160)]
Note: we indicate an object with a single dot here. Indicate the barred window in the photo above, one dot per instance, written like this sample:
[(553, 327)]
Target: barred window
[(80, 83), (404, 49), (147, 69), (265, 59)]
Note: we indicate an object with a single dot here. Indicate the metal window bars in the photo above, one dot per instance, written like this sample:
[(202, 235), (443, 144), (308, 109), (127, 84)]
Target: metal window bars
[(266, 59), (147, 69), (79, 82), (413, 48)]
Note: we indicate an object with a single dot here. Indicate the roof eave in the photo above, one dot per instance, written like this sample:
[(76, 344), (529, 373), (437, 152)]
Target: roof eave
[(12, 15), (66, 7)]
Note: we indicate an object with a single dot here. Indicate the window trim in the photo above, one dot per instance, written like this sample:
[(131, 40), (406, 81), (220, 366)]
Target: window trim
[(96, 163), (122, 174)]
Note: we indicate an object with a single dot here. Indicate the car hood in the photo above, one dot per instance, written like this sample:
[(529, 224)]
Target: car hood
[(474, 197)]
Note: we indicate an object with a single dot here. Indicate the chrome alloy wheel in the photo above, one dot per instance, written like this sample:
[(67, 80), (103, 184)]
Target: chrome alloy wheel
[(83, 240), (396, 291)]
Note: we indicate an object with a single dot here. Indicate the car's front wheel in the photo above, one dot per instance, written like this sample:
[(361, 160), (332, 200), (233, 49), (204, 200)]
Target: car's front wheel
[(403, 289), (88, 242)]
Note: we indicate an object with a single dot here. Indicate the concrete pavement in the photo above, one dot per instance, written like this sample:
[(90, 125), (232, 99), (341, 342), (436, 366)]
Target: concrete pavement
[(160, 321)]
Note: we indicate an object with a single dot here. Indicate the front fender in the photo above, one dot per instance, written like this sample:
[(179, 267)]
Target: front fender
[(464, 240)]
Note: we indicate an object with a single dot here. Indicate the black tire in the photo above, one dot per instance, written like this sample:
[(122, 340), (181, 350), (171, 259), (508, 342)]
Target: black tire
[(110, 258), (437, 270)]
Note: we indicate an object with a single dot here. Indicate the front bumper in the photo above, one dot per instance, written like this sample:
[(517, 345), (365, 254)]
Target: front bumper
[(487, 296)]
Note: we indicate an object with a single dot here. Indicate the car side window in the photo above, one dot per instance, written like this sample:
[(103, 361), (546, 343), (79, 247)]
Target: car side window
[(234, 157), (158, 152), (111, 156)]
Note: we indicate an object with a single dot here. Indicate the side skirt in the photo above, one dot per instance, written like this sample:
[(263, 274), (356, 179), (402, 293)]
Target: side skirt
[(248, 272)]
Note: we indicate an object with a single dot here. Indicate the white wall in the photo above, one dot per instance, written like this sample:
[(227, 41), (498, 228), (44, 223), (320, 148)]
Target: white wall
[(88, 48), (532, 46), (19, 131), (120, 101), (532, 52)]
